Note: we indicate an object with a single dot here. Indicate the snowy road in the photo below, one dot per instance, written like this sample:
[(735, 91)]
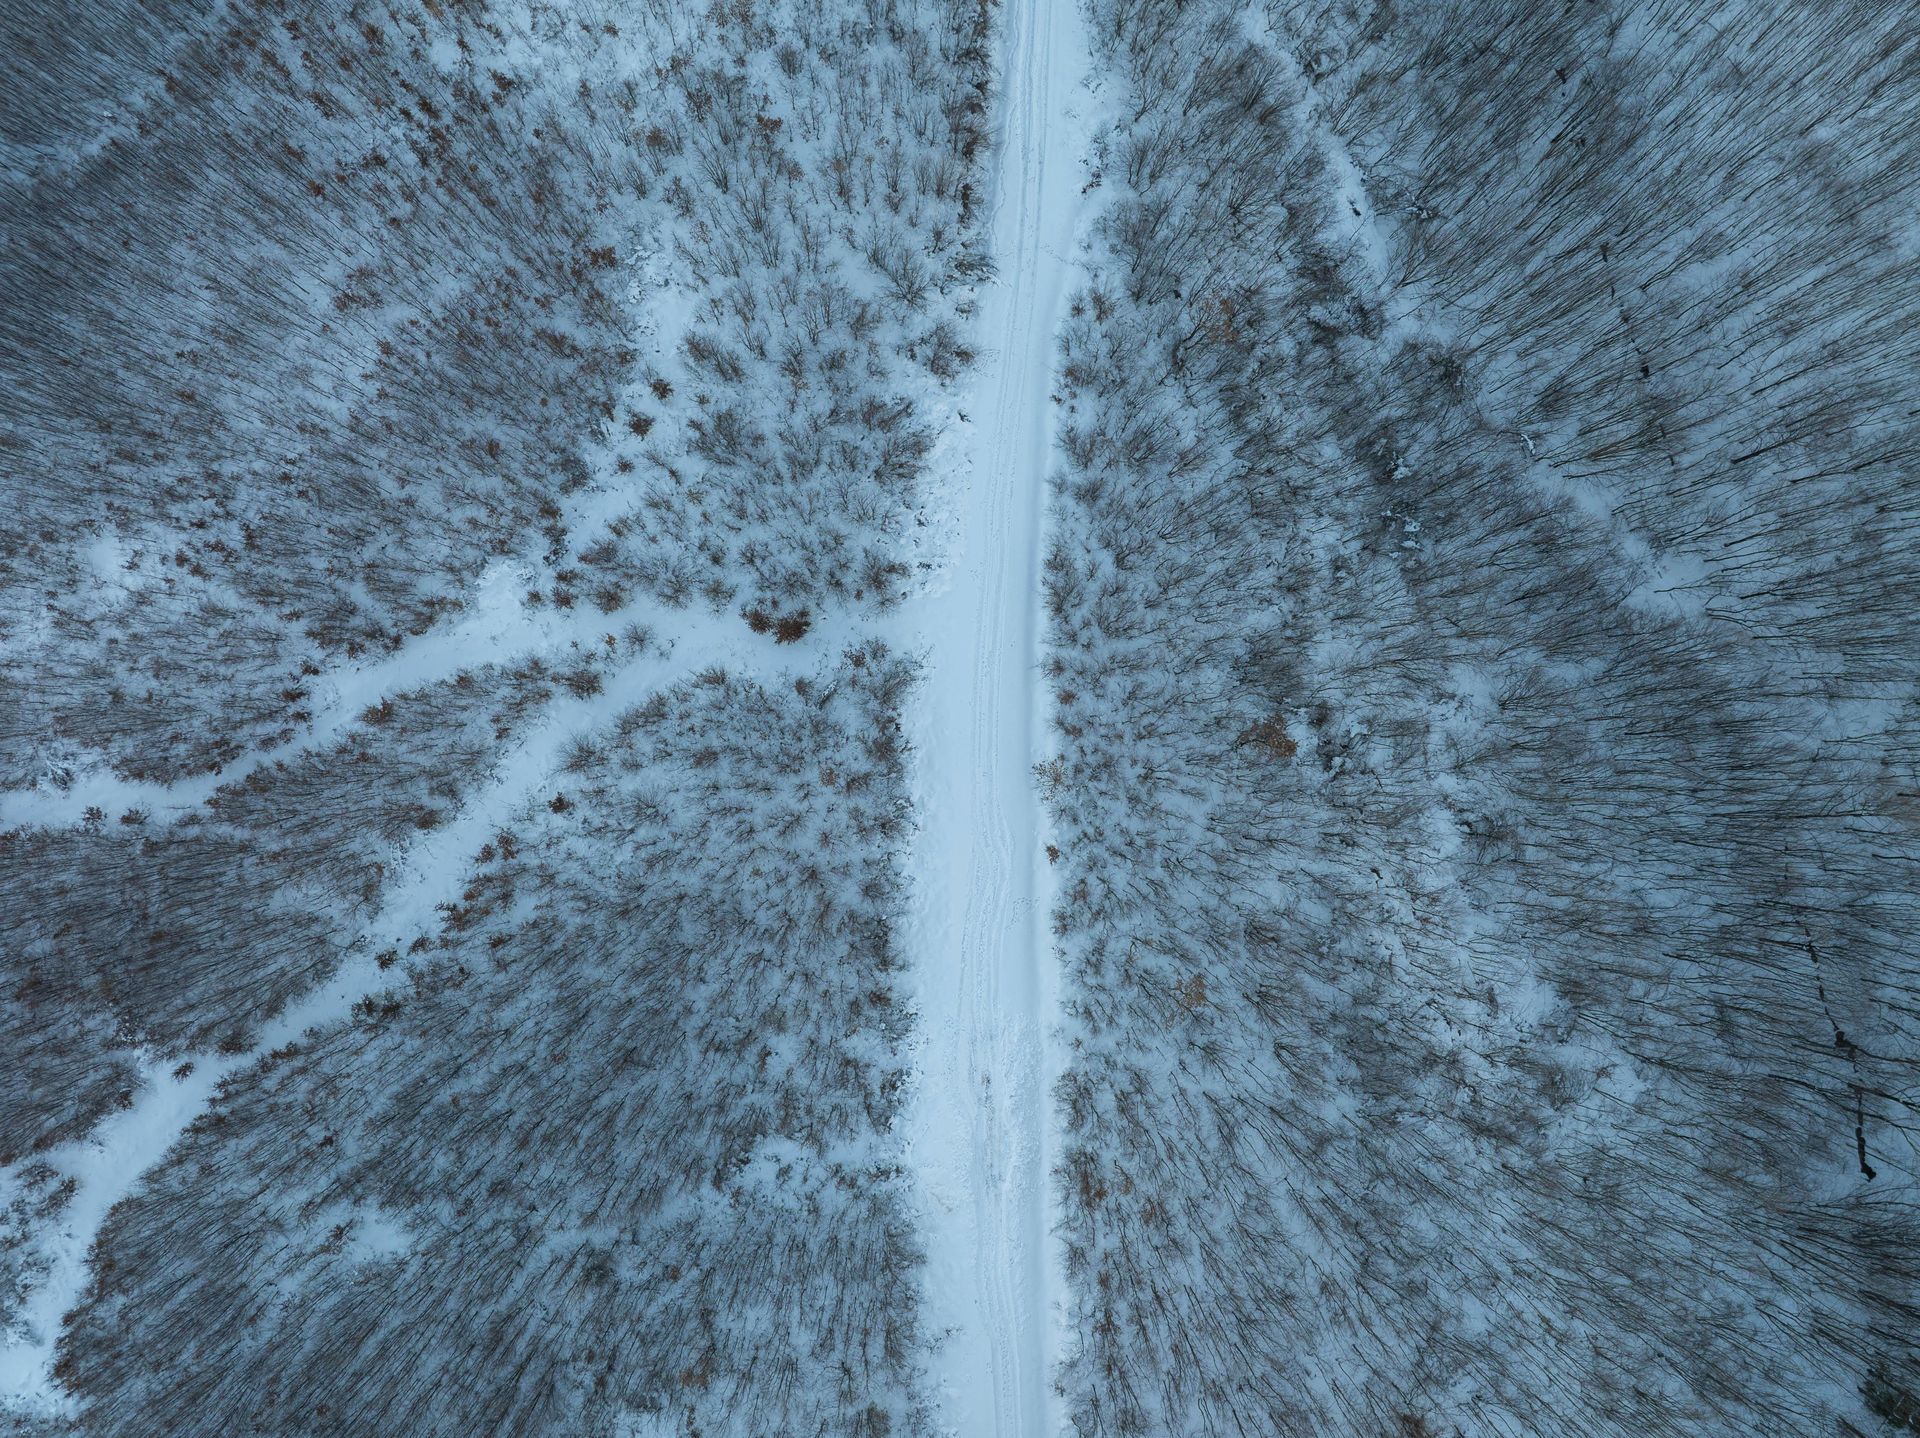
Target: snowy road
[(980, 1126)]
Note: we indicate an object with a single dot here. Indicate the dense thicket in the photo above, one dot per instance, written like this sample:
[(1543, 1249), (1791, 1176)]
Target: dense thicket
[(305, 322), (313, 312), (609, 1159), (127, 933), (1485, 683), (816, 238)]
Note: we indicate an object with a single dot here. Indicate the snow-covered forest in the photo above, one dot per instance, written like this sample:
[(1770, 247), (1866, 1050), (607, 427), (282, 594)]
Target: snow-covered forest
[(458, 456), (1484, 659), (990, 718)]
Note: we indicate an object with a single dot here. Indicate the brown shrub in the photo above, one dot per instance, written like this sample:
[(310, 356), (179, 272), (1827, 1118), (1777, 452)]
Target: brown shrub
[(1271, 734)]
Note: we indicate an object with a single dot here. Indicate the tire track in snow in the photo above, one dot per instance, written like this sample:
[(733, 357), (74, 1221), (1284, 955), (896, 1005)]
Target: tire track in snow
[(978, 1130)]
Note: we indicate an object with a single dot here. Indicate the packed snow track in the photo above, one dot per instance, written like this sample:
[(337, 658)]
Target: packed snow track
[(980, 1131)]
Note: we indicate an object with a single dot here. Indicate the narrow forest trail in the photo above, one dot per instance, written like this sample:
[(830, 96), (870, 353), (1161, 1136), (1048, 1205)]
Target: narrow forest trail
[(980, 1128)]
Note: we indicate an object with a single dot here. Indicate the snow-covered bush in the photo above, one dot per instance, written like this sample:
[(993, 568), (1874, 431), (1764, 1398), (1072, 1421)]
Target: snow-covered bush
[(814, 175), (185, 936), (1485, 694)]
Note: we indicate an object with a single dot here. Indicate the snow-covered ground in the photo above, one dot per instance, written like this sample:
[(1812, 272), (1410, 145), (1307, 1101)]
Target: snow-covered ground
[(980, 1128)]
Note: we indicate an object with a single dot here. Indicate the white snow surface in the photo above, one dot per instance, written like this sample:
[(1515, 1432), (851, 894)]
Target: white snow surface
[(979, 1131)]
